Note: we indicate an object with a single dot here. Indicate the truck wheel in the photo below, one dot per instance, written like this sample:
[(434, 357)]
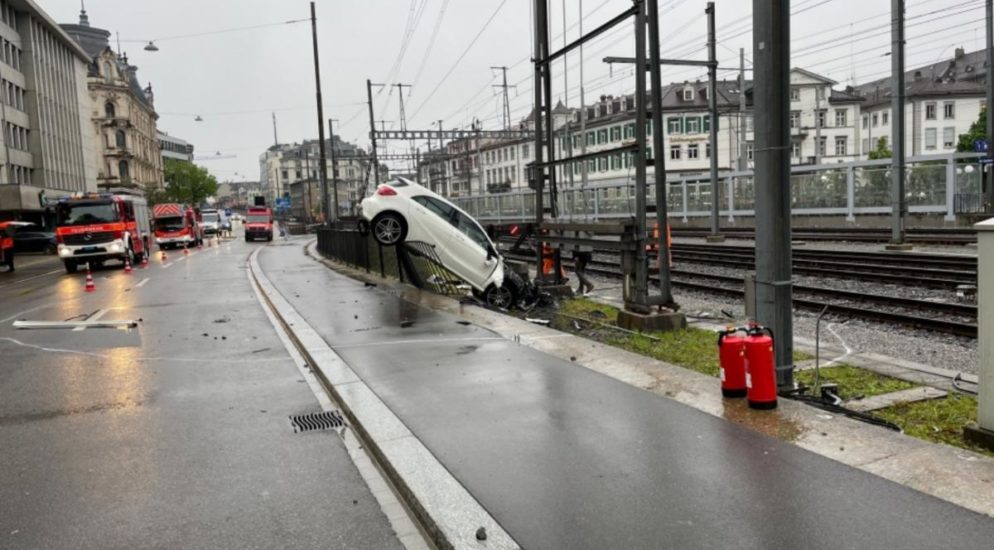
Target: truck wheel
[(269, 237), (247, 238), (70, 266)]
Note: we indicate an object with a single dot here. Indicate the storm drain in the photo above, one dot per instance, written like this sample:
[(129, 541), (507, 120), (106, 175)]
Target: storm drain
[(316, 421)]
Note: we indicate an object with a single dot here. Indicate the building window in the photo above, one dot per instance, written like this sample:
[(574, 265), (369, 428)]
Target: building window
[(949, 110), (109, 110), (795, 150), (885, 118), (616, 133), (674, 125), (602, 164), (840, 146), (286, 175), (820, 118), (930, 111), (693, 151), (795, 119), (122, 170), (121, 139), (616, 162), (601, 136), (525, 154), (693, 125), (590, 138), (749, 151), (630, 131), (707, 150), (866, 122), (930, 137), (866, 146), (822, 146), (795, 94), (820, 92), (840, 117), (948, 138), (688, 94), (876, 120), (674, 152)]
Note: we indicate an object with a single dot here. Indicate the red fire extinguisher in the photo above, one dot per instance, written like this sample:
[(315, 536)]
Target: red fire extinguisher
[(761, 375), (731, 361)]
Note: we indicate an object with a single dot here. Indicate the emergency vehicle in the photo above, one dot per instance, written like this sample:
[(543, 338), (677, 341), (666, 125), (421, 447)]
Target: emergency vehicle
[(95, 228), (176, 225), (259, 223)]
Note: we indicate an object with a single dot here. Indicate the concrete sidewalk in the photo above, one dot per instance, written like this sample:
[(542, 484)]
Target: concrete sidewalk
[(562, 456)]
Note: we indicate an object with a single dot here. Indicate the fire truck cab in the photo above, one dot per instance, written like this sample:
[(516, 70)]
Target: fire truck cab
[(95, 228), (259, 223)]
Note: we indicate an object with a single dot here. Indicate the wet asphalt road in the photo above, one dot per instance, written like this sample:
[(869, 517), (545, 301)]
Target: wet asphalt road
[(171, 435)]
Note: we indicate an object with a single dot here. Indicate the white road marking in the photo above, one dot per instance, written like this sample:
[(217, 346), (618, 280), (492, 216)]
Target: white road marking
[(19, 281), (97, 315), (268, 360), (142, 283)]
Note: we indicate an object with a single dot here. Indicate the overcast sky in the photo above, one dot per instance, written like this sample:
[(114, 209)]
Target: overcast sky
[(236, 78)]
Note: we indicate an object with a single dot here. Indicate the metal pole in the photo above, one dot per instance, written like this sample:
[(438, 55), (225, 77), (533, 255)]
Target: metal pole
[(655, 75), (990, 104), (334, 171), (568, 150), (771, 93), (641, 267), (583, 110), (538, 171), (743, 164), (897, 119), (550, 123), (323, 169), (713, 114), (372, 133), (818, 92)]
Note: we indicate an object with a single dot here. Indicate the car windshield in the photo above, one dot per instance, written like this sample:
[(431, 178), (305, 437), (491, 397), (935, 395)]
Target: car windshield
[(258, 218), (169, 224), (88, 213), (212, 218)]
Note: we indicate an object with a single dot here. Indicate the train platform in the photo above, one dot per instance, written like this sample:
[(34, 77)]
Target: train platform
[(546, 440)]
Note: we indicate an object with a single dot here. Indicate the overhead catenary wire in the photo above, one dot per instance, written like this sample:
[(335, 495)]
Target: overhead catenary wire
[(214, 32)]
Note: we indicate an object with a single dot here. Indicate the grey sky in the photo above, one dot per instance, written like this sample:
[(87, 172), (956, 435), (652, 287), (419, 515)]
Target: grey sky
[(234, 80)]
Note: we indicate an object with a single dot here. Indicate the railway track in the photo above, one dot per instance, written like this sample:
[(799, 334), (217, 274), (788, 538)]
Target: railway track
[(944, 317), (924, 236)]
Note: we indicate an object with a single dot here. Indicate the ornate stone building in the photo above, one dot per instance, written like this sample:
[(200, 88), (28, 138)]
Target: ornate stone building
[(122, 113)]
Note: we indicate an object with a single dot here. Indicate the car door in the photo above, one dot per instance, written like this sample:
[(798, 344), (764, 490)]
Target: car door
[(433, 221), (468, 246)]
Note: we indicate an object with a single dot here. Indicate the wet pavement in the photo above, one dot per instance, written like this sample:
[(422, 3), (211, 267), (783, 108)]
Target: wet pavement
[(171, 435), (564, 457)]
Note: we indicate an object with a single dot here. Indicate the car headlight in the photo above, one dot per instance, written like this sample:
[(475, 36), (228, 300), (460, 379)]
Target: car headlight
[(64, 251), (116, 247)]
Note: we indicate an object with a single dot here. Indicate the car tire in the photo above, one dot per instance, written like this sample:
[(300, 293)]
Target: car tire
[(71, 266), (389, 229), (500, 297)]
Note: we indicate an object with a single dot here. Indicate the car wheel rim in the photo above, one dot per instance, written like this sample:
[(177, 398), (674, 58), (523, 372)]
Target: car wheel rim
[(500, 297), (388, 230)]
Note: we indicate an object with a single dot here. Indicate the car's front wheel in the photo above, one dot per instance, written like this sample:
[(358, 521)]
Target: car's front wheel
[(389, 229), (501, 297)]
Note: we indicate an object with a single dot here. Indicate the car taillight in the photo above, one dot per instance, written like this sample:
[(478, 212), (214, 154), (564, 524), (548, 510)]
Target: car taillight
[(385, 191)]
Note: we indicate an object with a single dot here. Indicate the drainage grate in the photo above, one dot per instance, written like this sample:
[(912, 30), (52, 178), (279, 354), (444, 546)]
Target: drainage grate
[(316, 421)]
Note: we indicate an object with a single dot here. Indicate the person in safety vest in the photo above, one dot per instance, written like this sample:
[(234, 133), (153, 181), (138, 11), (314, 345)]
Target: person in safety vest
[(7, 244)]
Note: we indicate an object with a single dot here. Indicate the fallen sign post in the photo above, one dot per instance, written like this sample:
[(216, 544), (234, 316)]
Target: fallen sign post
[(22, 324)]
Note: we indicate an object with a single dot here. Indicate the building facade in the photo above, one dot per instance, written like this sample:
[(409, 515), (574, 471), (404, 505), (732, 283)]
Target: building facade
[(121, 113), (48, 142), (175, 148)]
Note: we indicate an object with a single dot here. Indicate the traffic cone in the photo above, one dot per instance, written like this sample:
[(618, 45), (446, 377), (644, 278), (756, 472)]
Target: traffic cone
[(186, 248), (127, 265), (163, 255), (209, 241), (144, 264), (90, 287)]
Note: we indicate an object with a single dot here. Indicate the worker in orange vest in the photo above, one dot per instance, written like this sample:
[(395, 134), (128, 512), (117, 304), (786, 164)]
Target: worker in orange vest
[(7, 245), (653, 245), (549, 263)]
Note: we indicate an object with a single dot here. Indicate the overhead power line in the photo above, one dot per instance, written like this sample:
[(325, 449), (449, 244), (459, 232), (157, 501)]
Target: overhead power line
[(220, 31)]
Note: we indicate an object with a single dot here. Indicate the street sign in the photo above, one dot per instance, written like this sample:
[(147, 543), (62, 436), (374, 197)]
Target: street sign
[(283, 202), (987, 161), (981, 146), (227, 212)]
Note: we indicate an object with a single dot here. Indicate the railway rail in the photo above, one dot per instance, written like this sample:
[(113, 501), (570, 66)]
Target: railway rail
[(923, 235)]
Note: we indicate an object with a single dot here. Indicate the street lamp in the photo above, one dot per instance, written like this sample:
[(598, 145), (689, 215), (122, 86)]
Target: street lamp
[(199, 119), (151, 47)]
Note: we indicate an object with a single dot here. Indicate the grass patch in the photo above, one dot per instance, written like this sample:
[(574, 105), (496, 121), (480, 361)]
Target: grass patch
[(855, 382), (691, 348), (937, 420)]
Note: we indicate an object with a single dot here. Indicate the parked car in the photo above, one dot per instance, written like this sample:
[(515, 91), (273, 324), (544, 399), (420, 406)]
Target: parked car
[(34, 238), (402, 210)]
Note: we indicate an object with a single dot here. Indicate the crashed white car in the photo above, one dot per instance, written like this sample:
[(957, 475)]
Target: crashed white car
[(402, 210)]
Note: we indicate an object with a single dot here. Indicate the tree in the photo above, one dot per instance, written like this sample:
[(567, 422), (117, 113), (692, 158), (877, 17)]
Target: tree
[(882, 151), (977, 131), (188, 183)]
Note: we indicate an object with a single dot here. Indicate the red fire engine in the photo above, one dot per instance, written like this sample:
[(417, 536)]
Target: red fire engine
[(259, 223), (176, 225), (95, 228)]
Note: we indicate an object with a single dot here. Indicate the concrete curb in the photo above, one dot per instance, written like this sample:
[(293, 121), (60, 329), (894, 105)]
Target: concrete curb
[(956, 475), (446, 510)]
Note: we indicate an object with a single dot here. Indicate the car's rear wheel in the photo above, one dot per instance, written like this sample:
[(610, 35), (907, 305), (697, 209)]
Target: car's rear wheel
[(389, 229), (501, 297)]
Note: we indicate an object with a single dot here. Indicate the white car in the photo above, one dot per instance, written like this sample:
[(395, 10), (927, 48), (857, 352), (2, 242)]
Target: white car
[(402, 210)]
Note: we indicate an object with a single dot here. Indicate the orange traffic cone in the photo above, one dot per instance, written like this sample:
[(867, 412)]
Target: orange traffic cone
[(127, 265), (186, 249), (163, 255), (144, 264), (90, 287)]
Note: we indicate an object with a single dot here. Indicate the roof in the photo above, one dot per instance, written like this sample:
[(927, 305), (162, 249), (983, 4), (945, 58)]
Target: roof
[(963, 74), (815, 76)]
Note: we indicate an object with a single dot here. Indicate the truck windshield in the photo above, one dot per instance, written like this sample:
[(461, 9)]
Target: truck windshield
[(88, 213), (169, 224), (257, 218), (210, 217)]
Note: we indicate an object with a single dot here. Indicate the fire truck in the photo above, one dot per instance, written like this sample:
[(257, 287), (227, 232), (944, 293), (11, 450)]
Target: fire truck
[(94, 228), (259, 223), (176, 225)]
